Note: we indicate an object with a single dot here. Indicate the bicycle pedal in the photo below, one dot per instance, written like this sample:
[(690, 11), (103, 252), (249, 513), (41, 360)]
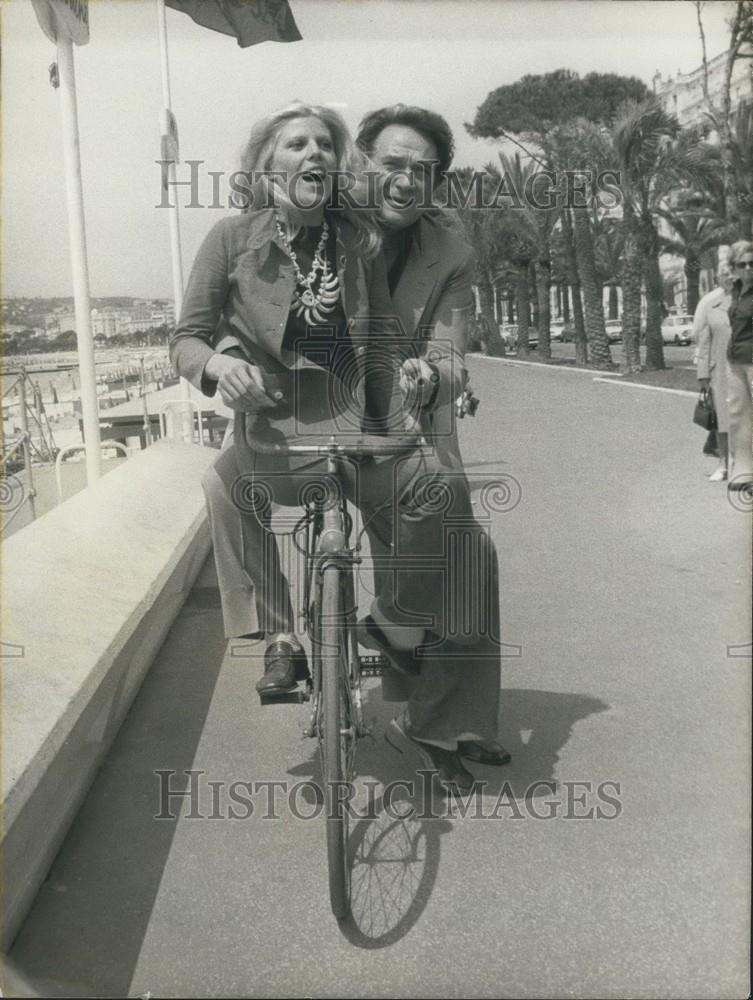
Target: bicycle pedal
[(295, 697), (373, 666)]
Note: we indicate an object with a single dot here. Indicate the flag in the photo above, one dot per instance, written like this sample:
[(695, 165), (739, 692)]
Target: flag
[(250, 21), (68, 17)]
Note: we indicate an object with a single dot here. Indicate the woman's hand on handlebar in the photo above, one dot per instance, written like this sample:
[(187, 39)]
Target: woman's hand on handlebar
[(240, 384)]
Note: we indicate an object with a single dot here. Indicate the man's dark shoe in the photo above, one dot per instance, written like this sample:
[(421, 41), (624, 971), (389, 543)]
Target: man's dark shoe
[(453, 776), (284, 665), (370, 635), (484, 752)]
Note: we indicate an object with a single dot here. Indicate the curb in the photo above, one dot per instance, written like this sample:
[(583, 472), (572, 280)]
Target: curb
[(615, 378), (652, 388), (537, 364)]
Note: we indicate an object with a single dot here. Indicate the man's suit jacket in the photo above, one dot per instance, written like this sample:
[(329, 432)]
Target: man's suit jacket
[(433, 302)]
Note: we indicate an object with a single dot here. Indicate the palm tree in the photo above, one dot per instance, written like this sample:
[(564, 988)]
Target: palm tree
[(695, 232), (655, 158), (571, 263), (532, 229), (742, 160), (580, 149), (601, 356), (484, 230), (609, 245), (520, 251)]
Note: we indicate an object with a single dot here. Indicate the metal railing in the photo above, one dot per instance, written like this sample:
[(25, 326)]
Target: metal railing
[(189, 409), (42, 448), (70, 449)]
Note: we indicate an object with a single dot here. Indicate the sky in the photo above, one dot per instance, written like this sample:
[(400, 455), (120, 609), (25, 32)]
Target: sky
[(357, 54)]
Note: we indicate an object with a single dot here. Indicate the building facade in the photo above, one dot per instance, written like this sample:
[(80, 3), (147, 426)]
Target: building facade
[(683, 96)]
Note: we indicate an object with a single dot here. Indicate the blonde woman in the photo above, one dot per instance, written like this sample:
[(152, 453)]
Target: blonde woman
[(711, 333)]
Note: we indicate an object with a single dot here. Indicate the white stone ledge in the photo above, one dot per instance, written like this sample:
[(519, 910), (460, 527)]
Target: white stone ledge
[(90, 591)]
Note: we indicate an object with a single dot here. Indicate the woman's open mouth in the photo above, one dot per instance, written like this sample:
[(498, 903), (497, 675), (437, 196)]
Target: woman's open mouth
[(400, 201)]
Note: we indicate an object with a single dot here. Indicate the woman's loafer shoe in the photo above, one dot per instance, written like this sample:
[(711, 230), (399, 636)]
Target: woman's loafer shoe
[(370, 635), (484, 752), (284, 665), (454, 778)]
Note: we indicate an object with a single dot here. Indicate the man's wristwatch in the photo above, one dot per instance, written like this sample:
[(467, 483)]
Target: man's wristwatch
[(435, 382)]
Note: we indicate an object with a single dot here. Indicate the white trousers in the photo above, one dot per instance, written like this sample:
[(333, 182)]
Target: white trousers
[(740, 404)]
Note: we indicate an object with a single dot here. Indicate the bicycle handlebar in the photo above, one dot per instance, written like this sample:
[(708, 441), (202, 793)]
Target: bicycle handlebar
[(363, 446)]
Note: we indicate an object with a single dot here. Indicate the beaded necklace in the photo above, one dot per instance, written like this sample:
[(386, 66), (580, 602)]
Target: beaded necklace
[(315, 306)]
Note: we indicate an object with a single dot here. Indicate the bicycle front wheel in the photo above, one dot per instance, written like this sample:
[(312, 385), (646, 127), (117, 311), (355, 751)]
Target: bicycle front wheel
[(337, 736)]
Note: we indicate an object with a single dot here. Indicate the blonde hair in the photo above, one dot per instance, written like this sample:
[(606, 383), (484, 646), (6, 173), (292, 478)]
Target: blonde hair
[(736, 251), (259, 150)]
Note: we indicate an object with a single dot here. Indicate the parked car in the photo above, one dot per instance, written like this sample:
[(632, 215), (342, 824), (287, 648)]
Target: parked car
[(509, 334), (677, 329), (614, 330), (556, 328)]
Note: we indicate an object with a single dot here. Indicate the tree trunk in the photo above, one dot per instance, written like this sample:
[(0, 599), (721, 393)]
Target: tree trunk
[(729, 176), (522, 301), (692, 282), (579, 336), (534, 297), (592, 295), (579, 324), (495, 346), (510, 308), (654, 297), (614, 307), (631, 294), (565, 297), (543, 286), (746, 218)]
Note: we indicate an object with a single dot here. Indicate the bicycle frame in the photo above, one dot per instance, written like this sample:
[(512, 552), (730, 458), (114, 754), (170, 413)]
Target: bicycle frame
[(336, 718), (327, 544)]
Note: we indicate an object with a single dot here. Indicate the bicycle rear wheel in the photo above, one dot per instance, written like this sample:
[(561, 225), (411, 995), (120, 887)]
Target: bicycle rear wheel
[(337, 736)]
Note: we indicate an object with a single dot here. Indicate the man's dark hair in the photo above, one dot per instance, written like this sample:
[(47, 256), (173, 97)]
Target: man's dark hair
[(428, 123)]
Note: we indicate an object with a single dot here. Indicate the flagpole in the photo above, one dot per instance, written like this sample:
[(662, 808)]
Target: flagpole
[(79, 266), (176, 255)]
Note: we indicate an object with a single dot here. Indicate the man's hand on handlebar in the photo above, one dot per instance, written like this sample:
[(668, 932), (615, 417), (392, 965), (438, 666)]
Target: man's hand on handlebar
[(418, 382), (239, 383)]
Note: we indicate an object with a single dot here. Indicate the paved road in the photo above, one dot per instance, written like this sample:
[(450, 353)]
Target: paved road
[(627, 587)]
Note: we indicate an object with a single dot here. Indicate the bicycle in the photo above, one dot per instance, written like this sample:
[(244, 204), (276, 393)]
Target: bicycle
[(329, 613)]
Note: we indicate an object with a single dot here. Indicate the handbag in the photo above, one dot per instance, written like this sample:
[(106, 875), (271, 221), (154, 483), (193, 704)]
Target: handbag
[(704, 413)]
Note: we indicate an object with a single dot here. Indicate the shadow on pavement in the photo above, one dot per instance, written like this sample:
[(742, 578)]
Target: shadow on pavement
[(395, 856), (93, 910), (534, 726), (395, 836)]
